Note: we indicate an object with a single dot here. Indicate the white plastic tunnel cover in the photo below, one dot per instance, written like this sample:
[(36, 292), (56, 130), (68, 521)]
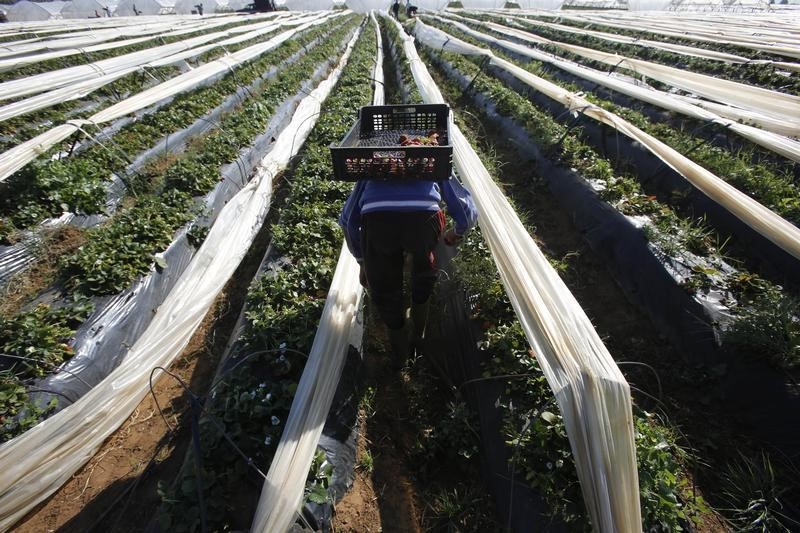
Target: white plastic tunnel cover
[(129, 8), (25, 11), (84, 9)]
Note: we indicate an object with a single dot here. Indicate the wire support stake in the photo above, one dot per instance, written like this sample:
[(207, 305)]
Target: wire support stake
[(53, 366), (653, 370), (147, 70), (125, 158), (573, 123), (239, 162), (481, 69), (237, 82)]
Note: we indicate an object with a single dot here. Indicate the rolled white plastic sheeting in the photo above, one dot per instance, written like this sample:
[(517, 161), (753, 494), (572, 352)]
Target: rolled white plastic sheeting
[(16, 158), (87, 40), (679, 29), (59, 78), (591, 391), (74, 25), (71, 27), (18, 61), (775, 142), (772, 226), (726, 28), (770, 103), (661, 45), (282, 493), (766, 119), (40, 460), (83, 88), (378, 95)]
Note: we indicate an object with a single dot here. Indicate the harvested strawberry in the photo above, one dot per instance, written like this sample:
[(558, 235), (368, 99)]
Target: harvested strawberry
[(431, 140)]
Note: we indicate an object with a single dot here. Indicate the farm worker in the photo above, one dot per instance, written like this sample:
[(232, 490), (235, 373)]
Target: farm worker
[(384, 219), (396, 7)]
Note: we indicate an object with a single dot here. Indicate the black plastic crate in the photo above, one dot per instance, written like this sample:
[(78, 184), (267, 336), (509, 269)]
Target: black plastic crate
[(371, 149)]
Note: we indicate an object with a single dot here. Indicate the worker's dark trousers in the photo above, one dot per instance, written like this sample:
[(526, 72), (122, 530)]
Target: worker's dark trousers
[(386, 235)]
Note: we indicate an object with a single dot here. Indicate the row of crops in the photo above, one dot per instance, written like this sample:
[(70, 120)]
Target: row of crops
[(134, 176)]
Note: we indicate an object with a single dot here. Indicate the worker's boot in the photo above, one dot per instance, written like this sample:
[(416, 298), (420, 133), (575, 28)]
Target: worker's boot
[(419, 315), (400, 345)]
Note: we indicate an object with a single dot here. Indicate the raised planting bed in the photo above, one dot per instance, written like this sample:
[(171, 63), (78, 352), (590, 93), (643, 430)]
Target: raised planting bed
[(774, 188), (408, 90), (283, 308), (757, 171), (80, 181)]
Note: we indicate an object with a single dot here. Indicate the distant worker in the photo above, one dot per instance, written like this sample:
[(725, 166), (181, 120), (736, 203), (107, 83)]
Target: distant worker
[(396, 8), (199, 8), (107, 10)]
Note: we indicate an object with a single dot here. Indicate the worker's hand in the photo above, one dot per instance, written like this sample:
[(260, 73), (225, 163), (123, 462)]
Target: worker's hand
[(451, 238), (362, 276)]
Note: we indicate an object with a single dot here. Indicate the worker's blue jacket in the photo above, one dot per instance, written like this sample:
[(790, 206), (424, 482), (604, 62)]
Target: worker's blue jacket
[(375, 195)]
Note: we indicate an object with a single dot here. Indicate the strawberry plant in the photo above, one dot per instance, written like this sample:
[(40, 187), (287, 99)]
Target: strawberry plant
[(33, 344)]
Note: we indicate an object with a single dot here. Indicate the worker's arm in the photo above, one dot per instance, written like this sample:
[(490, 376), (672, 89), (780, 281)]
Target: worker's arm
[(459, 205), (350, 221)]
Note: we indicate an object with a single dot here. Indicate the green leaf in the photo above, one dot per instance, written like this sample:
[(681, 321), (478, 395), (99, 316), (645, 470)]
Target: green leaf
[(318, 494)]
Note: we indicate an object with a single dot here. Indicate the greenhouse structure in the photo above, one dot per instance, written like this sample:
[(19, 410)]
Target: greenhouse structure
[(127, 8), (83, 9), (190, 7), (25, 11)]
